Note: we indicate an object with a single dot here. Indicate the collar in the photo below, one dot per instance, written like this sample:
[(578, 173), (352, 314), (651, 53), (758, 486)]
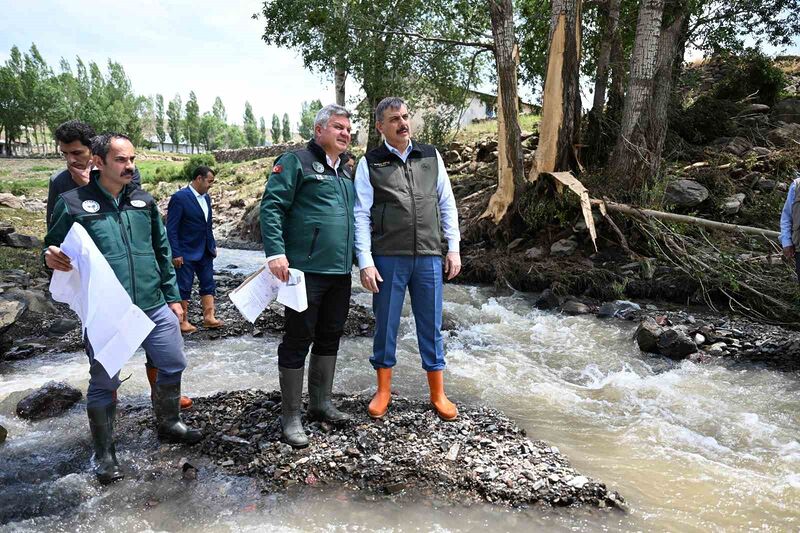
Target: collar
[(402, 155), (196, 194), (94, 177), (320, 153)]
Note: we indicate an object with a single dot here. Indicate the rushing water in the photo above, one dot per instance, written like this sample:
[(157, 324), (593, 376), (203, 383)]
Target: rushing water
[(692, 447)]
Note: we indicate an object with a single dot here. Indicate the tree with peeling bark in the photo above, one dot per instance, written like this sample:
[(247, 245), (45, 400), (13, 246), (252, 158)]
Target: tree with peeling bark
[(561, 102)]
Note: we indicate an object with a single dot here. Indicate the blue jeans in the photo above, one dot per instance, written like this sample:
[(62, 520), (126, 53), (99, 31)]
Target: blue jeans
[(163, 348), (204, 268), (422, 275)]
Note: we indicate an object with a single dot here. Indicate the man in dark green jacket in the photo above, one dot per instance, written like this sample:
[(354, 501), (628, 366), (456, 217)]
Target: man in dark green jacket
[(307, 224), (125, 225)]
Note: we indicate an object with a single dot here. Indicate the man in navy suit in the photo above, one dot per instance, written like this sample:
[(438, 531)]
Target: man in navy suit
[(189, 228)]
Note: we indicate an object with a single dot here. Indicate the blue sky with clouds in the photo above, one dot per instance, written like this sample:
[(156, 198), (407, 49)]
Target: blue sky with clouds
[(175, 46)]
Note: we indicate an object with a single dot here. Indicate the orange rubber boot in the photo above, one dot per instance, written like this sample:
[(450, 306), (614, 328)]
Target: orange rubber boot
[(186, 327), (209, 320), (379, 405), (446, 409), (152, 373)]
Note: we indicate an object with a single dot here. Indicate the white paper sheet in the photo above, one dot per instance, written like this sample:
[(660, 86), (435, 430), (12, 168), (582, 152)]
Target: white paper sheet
[(261, 288), (114, 325)]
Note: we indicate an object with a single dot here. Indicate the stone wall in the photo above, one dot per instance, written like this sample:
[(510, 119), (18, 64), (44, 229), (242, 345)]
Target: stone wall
[(253, 152)]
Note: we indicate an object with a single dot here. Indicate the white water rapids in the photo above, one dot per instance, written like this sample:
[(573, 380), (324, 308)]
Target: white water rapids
[(691, 447)]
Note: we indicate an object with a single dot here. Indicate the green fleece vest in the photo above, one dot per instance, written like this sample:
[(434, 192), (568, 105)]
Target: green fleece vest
[(405, 208)]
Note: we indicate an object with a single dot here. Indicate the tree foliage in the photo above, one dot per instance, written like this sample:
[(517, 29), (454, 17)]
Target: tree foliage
[(286, 130), (276, 129), (251, 133), (308, 113)]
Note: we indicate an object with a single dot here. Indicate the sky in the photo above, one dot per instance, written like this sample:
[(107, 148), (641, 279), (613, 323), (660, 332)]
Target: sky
[(175, 46)]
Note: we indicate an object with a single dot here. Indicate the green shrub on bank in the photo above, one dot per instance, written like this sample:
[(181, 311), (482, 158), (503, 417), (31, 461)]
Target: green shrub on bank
[(753, 74), (705, 120), (197, 160)]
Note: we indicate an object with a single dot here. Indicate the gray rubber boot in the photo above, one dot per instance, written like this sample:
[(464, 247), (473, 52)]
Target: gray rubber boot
[(291, 404), (320, 384), (101, 425), (168, 417)]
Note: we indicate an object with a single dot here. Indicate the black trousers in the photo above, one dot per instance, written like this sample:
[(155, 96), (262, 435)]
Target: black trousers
[(321, 324)]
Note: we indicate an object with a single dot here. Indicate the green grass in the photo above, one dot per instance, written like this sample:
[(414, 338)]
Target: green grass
[(156, 171), (28, 260), (24, 187), (488, 128), (42, 168)]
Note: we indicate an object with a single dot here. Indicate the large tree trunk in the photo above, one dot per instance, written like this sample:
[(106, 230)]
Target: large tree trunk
[(510, 168), (339, 78), (631, 160), (561, 101), (597, 134)]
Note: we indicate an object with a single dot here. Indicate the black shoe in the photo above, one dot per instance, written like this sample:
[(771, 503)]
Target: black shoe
[(101, 425), (320, 384), (291, 402), (167, 405)]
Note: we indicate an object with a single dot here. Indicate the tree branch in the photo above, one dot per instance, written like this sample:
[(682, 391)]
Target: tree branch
[(474, 44)]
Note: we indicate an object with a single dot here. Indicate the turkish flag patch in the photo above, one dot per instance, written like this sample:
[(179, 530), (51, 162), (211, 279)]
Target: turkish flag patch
[(277, 169)]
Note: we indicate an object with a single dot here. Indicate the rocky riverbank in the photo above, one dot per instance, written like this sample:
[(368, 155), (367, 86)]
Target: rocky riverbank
[(481, 457)]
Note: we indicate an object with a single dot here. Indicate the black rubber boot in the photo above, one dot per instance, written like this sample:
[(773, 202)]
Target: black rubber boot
[(291, 404), (101, 424), (320, 384), (168, 417)]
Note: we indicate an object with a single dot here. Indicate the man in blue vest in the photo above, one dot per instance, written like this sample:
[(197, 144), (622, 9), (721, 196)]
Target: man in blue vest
[(403, 202), (191, 236)]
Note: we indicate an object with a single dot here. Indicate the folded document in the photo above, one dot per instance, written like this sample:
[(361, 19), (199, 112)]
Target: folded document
[(261, 288)]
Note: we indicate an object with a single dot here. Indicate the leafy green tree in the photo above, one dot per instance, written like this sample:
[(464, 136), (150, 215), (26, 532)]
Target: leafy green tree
[(262, 128), (251, 132), (12, 111), (160, 133), (287, 129), (308, 113), (218, 109), (212, 131), (174, 120), (191, 124), (276, 129), (234, 137)]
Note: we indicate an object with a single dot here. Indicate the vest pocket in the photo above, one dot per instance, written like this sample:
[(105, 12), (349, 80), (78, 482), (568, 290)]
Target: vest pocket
[(313, 242)]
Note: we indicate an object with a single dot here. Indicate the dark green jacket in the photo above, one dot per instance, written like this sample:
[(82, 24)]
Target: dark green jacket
[(307, 212), (131, 237)]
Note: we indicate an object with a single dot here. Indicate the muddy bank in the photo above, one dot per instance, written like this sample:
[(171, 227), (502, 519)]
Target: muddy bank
[(483, 456)]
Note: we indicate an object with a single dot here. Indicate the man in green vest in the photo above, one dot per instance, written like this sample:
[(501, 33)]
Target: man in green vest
[(307, 224), (403, 198)]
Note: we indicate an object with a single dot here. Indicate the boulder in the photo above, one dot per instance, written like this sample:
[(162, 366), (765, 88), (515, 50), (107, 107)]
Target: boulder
[(452, 157), (766, 184), (685, 193), (785, 135), (10, 311), (3, 434), (62, 326), (9, 200), (574, 307), (737, 146), (535, 254), (36, 301), (564, 247), (676, 344), (17, 240), (732, 204), (15, 278), (755, 108), (618, 309), (787, 110), (249, 228), (515, 244), (761, 151), (50, 400), (547, 300), (647, 335)]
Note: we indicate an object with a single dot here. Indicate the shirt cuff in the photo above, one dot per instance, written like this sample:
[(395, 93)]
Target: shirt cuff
[(786, 242), (365, 260), (453, 246), (270, 258)]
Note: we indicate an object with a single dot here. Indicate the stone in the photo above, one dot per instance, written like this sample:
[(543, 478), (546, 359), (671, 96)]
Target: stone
[(761, 151), (737, 146), (51, 399), (9, 200), (618, 309), (786, 135), (37, 301), (17, 240), (755, 108), (574, 307), (578, 482), (547, 300), (717, 349), (564, 247), (451, 157), (10, 311), (62, 326), (3, 434), (732, 204), (647, 335), (699, 339), (516, 243), (766, 184), (16, 278), (787, 110), (536, 253), (676, 344), (685, 193)]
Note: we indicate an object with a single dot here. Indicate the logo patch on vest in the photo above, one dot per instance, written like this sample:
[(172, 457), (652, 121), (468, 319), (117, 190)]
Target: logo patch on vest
[(426, 166), (277, 169), (318, 167), (138, 203), (380, 164), (90, 206)]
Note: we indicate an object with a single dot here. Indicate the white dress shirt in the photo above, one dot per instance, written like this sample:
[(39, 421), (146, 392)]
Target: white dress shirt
[(201, 199), (365, 198)]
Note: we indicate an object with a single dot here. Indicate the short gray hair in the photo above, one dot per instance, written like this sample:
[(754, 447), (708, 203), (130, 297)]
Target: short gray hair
[(325, 114), (390, 102)]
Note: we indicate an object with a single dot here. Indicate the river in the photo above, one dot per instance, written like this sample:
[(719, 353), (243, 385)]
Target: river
[(692, 447)]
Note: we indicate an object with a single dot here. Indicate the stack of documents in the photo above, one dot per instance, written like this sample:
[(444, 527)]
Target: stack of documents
[(261, 288)]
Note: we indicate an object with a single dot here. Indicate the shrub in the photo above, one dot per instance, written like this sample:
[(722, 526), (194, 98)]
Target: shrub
[(752, 73), (705, 120), (195, 161)]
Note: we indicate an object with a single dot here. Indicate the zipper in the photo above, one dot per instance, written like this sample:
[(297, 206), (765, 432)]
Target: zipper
[(346, 211), (313, 242), (383, 218), (122, 230), (410, 177)]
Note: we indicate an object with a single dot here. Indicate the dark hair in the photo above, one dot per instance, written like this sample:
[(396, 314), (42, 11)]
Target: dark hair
[(102, 143), (75, 130), (390, 102), (201, 171)]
